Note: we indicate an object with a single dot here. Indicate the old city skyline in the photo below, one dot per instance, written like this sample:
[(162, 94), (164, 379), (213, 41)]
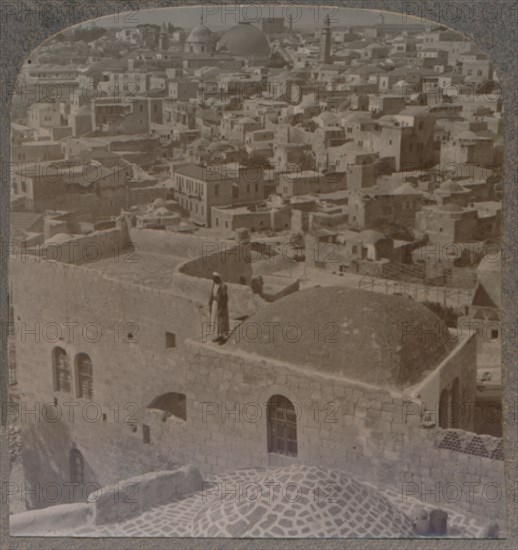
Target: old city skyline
[(277, 242)]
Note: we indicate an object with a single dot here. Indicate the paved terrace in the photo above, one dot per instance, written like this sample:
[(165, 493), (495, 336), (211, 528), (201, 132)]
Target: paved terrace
[(175, 519)]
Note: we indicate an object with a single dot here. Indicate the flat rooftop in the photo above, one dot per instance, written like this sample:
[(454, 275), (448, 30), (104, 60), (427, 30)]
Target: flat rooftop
[(142, 268)]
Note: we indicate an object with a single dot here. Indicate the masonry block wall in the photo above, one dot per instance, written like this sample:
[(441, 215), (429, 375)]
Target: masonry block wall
[(460, 367), (88, 248), (373, 434), (123, 329), (134, 336), (345, 425)]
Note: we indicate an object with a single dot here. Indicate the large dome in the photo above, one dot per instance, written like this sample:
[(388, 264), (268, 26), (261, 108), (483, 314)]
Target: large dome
[(245, 40), (199, 35), (383, 340), (355, 509)]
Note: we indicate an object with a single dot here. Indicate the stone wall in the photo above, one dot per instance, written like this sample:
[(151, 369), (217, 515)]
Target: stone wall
[(87, 248), (369, 432), (122, 327), (177, 244), (117, 502), (461, 366)]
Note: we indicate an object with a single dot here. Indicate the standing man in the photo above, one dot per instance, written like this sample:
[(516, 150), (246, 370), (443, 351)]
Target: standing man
[(218, 306)]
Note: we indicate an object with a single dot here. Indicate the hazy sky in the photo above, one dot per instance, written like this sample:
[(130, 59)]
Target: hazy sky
[(220, 16)]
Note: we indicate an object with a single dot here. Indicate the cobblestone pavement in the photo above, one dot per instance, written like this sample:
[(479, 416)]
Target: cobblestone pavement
[(175, 518)]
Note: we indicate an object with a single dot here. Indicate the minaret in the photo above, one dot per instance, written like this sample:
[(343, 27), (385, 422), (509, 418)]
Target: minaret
[(291, 23), (325, 45)]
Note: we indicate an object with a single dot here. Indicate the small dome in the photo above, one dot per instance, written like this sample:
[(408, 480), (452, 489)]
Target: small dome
[(59, 238), (199, 35), (158, 202), (245, 40), (449, 186), (405, 189), (162, 211)]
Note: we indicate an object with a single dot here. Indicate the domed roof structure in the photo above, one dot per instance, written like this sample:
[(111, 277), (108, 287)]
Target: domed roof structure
[(59, 238), (245, 40), (158, 202), (162, 211), (355, 510), (200, 35), (406, 188), (374, 338), (449, 186)]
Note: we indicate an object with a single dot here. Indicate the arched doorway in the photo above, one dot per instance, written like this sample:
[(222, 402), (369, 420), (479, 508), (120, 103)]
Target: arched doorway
[(281, 426)]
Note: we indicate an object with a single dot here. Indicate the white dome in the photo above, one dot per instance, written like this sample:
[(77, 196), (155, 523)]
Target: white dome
[(199, 35)]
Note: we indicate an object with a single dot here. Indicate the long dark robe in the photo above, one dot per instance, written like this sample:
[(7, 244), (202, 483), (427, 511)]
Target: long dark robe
[(222, 320)]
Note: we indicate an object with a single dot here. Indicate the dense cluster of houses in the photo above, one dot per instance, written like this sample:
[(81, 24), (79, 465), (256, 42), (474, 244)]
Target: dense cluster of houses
[(384, 142)]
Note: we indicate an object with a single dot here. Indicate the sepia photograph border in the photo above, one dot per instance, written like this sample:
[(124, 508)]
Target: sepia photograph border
[(491, 25)]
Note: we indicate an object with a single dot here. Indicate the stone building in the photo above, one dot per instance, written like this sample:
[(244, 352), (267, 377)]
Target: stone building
[(259, 400), (200, 188), (44, 116), (303, 182), (448, 223), (329, 376), (371, 207), (259, 217)]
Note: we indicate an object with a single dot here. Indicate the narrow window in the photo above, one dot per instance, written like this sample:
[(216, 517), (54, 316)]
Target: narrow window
[(77, 467), (61, 370), (146, 433), (170, 340), (84, 376)]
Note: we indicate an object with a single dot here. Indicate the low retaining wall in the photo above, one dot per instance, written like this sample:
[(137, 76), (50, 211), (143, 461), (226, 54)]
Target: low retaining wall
[(117, 502), (135, 495), (40, 522)]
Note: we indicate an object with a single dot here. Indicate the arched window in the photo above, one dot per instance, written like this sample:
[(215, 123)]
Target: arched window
[(443, 409), (171, 403), (84, 376), (60, 370), (77, 467), (456, 405), (281, 426)]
